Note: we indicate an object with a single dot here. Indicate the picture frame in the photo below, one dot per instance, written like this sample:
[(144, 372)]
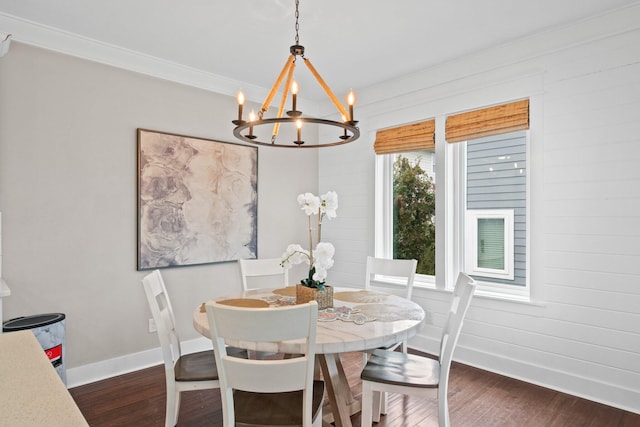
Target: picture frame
[(197, 200)]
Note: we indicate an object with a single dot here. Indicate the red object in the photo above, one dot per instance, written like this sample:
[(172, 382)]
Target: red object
[(55, 355)]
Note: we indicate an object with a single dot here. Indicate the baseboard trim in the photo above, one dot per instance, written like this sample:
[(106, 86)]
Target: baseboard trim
[(109, 368), (582, 387)]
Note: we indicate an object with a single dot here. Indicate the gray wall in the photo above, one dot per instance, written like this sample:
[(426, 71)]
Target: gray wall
[(68, 196)]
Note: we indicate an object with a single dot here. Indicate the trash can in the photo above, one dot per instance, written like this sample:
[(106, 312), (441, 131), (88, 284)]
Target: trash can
[(49, 331)]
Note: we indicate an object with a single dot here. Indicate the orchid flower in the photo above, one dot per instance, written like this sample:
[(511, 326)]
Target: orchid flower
[(319, 259)]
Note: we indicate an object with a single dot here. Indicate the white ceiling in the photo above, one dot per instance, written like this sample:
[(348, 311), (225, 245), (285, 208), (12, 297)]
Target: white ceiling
[(352, 43)]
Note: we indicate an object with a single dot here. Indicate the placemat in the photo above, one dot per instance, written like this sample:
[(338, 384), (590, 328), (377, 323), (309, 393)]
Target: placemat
[(289, 291), (389, 312), (361, 296), (245, 302)]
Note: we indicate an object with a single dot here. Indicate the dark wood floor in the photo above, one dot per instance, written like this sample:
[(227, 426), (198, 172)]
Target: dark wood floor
[(476, 398)]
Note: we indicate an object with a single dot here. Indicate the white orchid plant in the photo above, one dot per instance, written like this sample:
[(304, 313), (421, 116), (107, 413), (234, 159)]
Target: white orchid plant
[(319, 259)]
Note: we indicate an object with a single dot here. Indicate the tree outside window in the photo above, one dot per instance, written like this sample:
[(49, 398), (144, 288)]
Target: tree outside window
[(414, 208)]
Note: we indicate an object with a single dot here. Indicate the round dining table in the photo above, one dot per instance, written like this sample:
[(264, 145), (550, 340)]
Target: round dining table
[(359, 320)]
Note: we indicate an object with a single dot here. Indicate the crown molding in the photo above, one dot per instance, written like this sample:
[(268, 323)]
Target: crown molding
[(54, 39), (42, 36)]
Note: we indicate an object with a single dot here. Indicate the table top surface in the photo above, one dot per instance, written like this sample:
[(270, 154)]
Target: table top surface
[(359, 319)]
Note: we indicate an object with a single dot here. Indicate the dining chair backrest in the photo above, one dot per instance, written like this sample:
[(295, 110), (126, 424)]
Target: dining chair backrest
[(162, 313), (183, 372), (270, 326), (400, 269), (462, 293), (268, 268)]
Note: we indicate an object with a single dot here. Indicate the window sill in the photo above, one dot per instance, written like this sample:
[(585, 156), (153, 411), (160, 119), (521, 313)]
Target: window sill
[(484, 294)]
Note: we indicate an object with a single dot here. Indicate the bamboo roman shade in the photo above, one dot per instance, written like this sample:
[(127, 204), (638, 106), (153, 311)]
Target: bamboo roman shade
[(416, 136), (488, 121)]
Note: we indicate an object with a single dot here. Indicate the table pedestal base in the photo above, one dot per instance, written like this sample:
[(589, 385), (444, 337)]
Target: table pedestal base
[(341, 400)]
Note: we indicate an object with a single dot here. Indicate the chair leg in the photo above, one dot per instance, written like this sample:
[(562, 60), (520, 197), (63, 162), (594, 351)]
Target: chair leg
[(177, 410), (378, 396), (443, 407), (173, 405), (318, 420), (384, 397), (367, 404)]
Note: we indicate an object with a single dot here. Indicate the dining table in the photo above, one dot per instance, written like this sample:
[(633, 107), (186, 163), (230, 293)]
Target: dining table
[(359, 320)]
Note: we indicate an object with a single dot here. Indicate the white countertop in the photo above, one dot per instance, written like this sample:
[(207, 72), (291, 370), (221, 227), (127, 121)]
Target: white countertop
[(31, 392)]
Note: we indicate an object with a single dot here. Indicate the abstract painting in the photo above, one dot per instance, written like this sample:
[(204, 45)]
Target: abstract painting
[(197, 200)]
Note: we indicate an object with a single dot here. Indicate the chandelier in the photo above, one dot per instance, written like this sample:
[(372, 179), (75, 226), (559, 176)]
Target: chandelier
[(346, 130)]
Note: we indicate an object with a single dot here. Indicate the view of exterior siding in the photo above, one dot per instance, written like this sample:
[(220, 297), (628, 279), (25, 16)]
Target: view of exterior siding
[(427, 161), (496, 179)]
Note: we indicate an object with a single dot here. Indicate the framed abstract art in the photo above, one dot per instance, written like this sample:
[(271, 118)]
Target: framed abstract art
[(197, 200)]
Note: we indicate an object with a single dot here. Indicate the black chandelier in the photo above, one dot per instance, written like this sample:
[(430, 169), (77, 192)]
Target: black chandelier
[(346, 129)]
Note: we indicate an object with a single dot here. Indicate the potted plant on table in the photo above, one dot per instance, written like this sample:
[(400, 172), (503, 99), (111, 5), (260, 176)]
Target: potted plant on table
[(320, 259)]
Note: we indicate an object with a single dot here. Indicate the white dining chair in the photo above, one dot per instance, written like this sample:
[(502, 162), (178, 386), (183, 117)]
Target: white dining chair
[(394, 372), (402, 271), (269, 392), (262, 273), (265, 268), (183, 372)]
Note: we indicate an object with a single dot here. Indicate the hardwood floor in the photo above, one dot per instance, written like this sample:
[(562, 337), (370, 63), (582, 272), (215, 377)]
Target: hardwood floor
[(476, 398)]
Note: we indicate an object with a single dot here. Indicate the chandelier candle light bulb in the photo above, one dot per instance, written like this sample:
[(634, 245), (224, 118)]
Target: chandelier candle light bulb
[(252, 118), (299, 126), (351, 99), (294, 96), (240, 99), (344, 135)]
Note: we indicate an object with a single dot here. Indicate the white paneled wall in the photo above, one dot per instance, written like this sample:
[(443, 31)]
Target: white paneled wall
[(581, 333)]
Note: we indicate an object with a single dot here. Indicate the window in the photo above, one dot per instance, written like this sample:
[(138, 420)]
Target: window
[(482, 195), (407, 211), (414, 209)]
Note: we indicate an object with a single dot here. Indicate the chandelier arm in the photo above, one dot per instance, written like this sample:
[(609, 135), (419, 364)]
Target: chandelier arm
[(276, 85), (287, 86), (326, 88)]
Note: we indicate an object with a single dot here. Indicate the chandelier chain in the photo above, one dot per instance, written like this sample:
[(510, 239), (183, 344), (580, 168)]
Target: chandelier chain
[(297, 24)]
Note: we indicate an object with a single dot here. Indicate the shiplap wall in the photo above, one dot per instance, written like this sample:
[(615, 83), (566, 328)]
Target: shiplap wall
[(581, 333)]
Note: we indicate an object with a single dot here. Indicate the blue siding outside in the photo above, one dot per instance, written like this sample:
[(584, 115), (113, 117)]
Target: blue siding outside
[(496, 179)]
